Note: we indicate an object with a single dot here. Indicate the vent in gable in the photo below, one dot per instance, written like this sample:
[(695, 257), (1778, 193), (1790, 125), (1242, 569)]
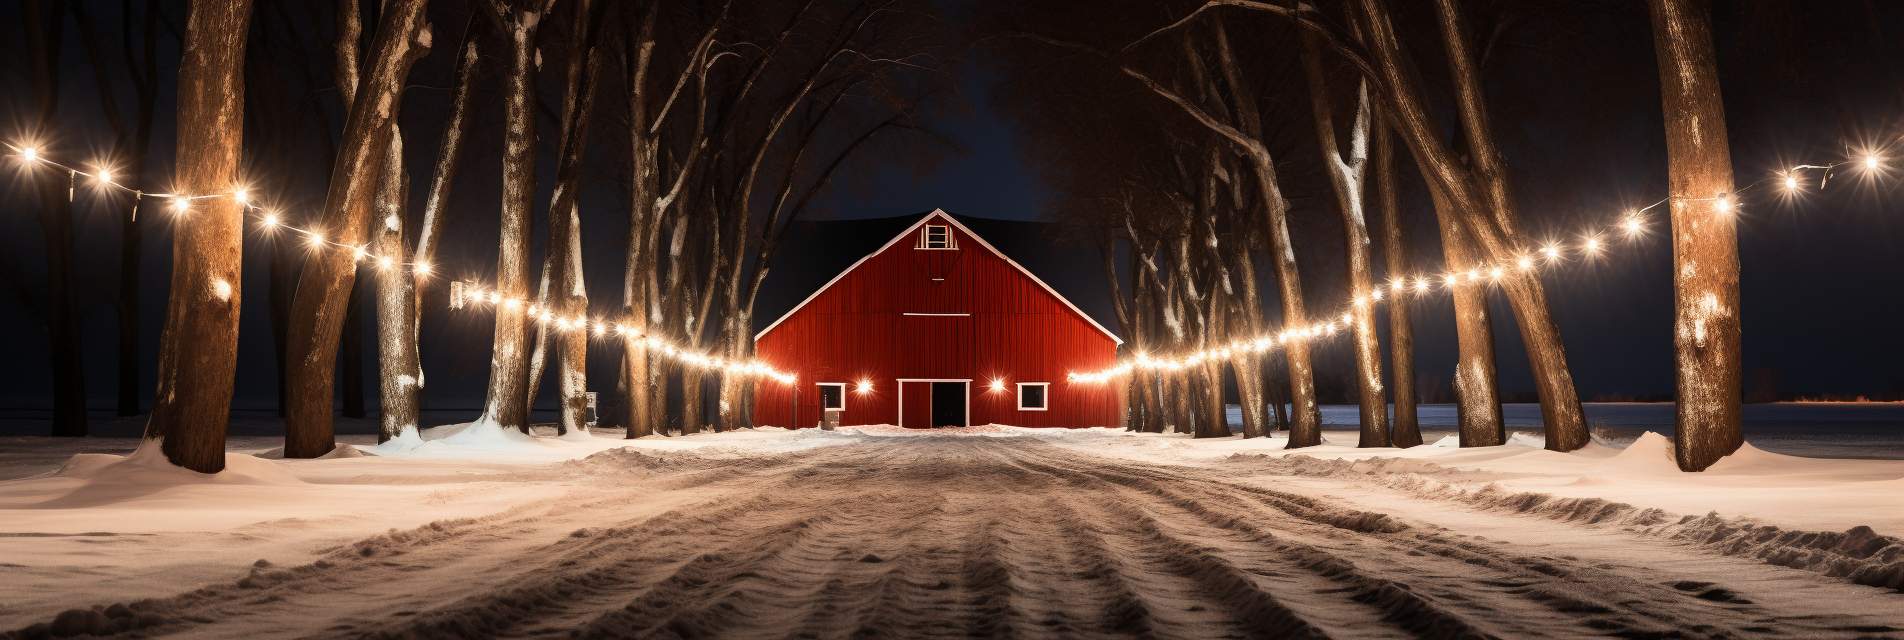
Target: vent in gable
[(936, 236)]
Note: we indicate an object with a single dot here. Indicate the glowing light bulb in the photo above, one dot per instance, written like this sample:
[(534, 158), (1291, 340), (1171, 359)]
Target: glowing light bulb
[(1377, 294), (241, 196), (1398, 284), (1593, 244), (270, 219), (998, 385), (1633, 225), (494, 298), (865, 386), (1495, 274), (423, 268), (361, 254), (1724, 204), (1552, 252), (1526, 264), (384, 263), (1870, 162), (317, 239), (30, 153), (181, 205), (105, 176), (1791, 182)]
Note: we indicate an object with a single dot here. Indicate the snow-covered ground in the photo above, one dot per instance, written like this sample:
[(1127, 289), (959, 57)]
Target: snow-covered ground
[(473, 531)]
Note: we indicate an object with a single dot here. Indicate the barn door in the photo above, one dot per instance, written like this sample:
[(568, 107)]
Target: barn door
[(915, 405), (949, 404)]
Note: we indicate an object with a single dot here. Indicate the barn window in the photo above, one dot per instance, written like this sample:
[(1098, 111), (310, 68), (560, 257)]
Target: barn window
[(937, 236), (833, 396), (1032, 396)]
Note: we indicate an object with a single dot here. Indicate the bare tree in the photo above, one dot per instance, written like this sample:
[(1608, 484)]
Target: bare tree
[(1348, 178), (507, 405), (199, 350), (1706, 344), (44, 26), (130, 155), (318, 310), (1405, 429)]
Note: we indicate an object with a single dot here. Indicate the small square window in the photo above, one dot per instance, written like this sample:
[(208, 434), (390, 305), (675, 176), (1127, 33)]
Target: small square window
[(1032, 396), (937, 236), (833, 396)]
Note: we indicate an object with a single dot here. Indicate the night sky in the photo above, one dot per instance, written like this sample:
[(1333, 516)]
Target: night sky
[(1822, 274)]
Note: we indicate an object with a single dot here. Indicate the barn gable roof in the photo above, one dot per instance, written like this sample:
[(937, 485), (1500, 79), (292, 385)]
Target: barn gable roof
[(940, 214)]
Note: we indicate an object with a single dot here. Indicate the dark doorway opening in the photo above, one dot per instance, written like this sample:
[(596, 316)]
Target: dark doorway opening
[(948, 404)]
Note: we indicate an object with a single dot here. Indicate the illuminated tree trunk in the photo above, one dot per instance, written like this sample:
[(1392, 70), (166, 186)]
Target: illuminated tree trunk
[(1565, 422), (318, 309), (442, 177), (569, 294), (399, 368), (1405, 428), (506, 404), (1347, 177), (1706, 344), (1480, 195), (638, 372), (1477, 396), (1305, 425), (199, 350)]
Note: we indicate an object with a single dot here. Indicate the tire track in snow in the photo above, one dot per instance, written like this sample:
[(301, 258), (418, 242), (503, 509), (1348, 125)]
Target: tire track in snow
[(952, 537)]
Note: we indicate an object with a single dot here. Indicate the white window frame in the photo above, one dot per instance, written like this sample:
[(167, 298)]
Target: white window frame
[(842, 387), (951, 241), (1021, 396)]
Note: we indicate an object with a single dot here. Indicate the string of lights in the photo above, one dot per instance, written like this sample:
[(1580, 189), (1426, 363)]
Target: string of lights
[(1592, 243), (466, 293), (181, 205), (460, 292)]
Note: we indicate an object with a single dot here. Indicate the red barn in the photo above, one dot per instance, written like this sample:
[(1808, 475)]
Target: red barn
[(937, 328)]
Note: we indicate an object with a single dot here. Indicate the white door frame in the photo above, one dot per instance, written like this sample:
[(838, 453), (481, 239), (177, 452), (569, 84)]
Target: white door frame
[(901, 418)]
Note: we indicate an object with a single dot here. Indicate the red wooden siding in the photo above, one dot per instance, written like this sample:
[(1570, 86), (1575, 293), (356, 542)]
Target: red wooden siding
[(856, 330)]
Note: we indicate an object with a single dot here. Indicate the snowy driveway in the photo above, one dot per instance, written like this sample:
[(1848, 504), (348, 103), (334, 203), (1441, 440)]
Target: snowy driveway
[(962, 536)]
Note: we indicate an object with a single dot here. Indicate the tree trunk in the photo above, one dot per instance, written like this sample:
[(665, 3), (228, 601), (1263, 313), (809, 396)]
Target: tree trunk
[(507, 402), (399, 370), (318, 309), (1565, 422), (1477, 396), (1305, 426), (1494, 237), (641, 414), (1706, 343), (44, 27), (435, 206), (198, 352), (1405, 428), (570, 292), (1347, 179)]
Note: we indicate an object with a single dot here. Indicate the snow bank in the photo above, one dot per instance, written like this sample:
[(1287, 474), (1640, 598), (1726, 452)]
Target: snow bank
[(98, 479)]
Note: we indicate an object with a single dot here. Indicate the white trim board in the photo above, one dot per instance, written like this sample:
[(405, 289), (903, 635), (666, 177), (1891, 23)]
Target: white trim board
[(940, 213)]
